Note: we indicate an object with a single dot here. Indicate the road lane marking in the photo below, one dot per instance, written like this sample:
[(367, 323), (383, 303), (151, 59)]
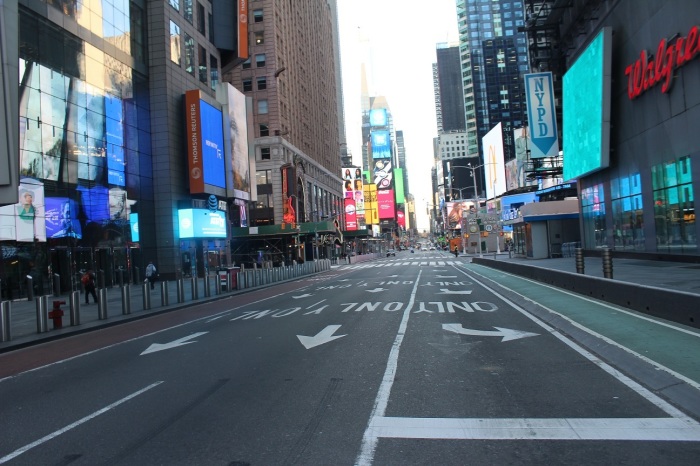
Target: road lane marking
[(77, 423), (636, 429), (369, 440)]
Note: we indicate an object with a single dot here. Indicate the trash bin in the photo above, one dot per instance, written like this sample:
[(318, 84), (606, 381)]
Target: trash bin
[(233, 277), (224, 279)]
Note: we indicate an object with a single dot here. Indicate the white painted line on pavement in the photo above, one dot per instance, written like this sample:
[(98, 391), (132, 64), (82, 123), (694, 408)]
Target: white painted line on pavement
[(636, 429), (369, 439), (55, 434)]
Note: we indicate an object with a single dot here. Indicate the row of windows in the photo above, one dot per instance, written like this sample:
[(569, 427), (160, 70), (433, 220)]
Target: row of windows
[(206, 71)]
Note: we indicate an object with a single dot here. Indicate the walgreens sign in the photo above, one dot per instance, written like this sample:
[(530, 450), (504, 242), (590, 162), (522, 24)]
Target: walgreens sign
[(649, 70)]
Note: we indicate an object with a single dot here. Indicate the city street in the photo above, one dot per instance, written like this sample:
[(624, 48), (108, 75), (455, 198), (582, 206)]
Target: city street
[(421, 358)]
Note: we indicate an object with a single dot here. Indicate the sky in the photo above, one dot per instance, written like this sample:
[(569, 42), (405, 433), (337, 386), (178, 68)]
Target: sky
[(397, 40)]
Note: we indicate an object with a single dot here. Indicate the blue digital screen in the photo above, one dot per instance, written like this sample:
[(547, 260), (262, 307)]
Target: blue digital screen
[(212, 145), (62, 218), (201, 223), (378, 117), (381, 145), (134, 224), (115, 141), (95, 203)]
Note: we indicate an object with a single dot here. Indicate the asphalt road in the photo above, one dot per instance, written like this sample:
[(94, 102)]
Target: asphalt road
[(413, 359)]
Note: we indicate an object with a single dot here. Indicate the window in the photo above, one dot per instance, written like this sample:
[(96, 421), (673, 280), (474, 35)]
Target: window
[(246, 64), (257, 16), (189, 54), (201, 18), (264, 153), (175, 4), (247, 85), (138, 46), (264, 130), (202, 64), (260, 60), (188, 11), (593, 209), (174, 42), (262, 83), (214, 71), (628, 221), (674, 207), (262, 107), (259, 37), (263, 177)]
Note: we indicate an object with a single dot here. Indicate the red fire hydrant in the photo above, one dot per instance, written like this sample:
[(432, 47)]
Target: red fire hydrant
[(56, 314)]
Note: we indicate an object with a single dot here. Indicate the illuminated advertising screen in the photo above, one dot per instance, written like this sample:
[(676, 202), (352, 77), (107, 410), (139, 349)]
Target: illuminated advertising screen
[(205, 144), (62, 218), (401, 219), (114, 127), (350, 215), (381, 144), (494, 162), (385, 201), (24, 221), (398, 186), (95, 203), (382, 174), (587, 109), (371, 208), (134, 225), (201, 223), (378, 117)]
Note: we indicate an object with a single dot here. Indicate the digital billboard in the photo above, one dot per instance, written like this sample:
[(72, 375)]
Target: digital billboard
[(541, 115), (587, 109), (378, 117), (237, 118), (62, 218), (371, 208), (398, 186), (382, 174), (134, 226), (385, 202), (114, 133), (201, 223), (25, 220), (381, 144), (205, 144), (494, 163), (350, 214)]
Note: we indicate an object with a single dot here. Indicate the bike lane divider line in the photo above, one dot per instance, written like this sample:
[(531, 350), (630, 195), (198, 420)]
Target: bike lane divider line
[(370, 438), (77, 423)]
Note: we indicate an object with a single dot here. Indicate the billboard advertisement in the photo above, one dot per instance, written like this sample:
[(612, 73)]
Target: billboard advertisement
[(205, 148), (386, 204), (289, 214), (25, 220), (201, 223), (371, 207), (401, 219), (134, 226), (237, 119), (398, 186), (541, 115), (382, 174), (381, 144), (114, 137), (378, 117), (587, 109), (350, 214), (62, 218), (494, 162), (242, 9)]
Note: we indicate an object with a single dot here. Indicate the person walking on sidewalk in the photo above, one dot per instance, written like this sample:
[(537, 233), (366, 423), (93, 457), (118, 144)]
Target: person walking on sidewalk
[(151, 274), (88, 281)]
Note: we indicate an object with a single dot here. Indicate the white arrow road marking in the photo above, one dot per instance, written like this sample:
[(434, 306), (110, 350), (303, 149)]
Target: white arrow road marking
[(302, 296), (324, 336), (506, 333), (376, 290), (446, 291), (173, 344)]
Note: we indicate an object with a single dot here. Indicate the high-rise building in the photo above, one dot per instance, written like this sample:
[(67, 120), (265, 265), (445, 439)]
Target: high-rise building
[(494, 57), (293, 80)]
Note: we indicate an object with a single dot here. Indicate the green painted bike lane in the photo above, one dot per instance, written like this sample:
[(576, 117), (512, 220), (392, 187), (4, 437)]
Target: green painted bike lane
[(667, 344)]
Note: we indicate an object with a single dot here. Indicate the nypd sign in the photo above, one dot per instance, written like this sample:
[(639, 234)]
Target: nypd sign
[(541, 114)]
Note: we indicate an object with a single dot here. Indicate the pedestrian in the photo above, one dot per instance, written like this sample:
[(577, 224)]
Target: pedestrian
[(88, 281), (456, 251), (151, 273)]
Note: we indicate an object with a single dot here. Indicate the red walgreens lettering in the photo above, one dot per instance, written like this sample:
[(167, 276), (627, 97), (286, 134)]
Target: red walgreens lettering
[(647, 71)]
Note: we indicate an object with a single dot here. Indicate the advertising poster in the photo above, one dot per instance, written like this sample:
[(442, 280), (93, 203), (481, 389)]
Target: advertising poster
[(25, 220), (401, 219), (494, 162), (381, 144), (62, 218), (371, 207), (387, 207), (350, 215), (382, 174)]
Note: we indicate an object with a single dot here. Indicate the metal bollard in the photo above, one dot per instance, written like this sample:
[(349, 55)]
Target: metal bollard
[(137, 275), (5, 320), (75, 307), (56, 285), (146, 295), (217, 285), (42, 314), (100, 278), (193, 288), (102, 304), (30, 288), (607, 263), (207, 289), (579, 261), (126, 300), (120, 277), (164, 298), (180, 290)]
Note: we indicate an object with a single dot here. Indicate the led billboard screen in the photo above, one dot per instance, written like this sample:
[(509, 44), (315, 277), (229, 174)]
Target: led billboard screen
[(378, 117), (494, 162), (205, 144), (201, 223), (587, 109), (62, 218), (381, 145), (385, 201)]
